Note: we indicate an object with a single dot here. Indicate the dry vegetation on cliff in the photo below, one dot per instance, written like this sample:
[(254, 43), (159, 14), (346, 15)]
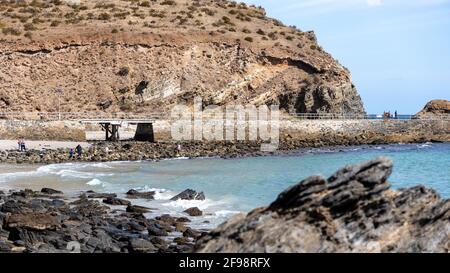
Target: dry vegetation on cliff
[(141, 56)]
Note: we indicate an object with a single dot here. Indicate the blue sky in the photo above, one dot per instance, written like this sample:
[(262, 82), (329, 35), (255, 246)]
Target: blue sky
[(398, 51)]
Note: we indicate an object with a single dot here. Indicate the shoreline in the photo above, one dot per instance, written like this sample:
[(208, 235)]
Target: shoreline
[(49, 221), (127, 151)]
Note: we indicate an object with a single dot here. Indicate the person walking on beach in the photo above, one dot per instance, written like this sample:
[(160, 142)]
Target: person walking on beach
[(79, 150), (19, 144), (23, 148), (178, 150), (71, 153)]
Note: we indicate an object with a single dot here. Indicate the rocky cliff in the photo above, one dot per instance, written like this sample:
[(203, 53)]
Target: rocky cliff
[(435, 108), (145, 56), (352, 211)]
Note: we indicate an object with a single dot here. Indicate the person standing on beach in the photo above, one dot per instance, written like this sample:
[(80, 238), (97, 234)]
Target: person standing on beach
[(22, 146), (79, 150), (71, 153), (178, 150), (19, 144)]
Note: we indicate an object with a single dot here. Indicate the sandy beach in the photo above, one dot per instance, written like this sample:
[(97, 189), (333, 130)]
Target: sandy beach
[(6, 145)]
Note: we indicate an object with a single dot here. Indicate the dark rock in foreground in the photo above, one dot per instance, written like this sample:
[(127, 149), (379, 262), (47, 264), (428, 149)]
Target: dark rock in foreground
[(33, 222), (352, 211), (189, 195)]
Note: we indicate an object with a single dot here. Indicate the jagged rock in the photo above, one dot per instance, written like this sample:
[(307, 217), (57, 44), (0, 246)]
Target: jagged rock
[(50, 191), (33, 221), (5, 246), (95, 195), (189, 195), (116, 201), (137, 209), (352, 211), (194, 211), (141, 195)]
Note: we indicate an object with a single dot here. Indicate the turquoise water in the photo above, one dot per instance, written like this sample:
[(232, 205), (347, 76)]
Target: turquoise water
[(233, 185)]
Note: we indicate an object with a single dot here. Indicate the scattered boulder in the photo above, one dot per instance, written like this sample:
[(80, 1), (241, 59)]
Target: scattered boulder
[(352, 211), (166, 218), (156, 230), (189, 195), (183, 220), (181, 240), (194, 211), (141, 246), (191, 233), (180, 227)]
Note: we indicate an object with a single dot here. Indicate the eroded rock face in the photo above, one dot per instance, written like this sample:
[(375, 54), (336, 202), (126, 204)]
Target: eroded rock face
[(435, 108), (352, 211), (104, 64)]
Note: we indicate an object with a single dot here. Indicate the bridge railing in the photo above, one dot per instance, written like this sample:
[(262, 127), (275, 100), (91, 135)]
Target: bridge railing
[(341, 116), (78, 116)]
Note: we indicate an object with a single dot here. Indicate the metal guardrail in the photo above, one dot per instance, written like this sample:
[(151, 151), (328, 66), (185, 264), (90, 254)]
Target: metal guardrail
[(80, 116), (77, 116), (340, 116)]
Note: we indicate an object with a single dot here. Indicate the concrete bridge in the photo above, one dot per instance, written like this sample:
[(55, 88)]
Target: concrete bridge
[(144, 122), (144, 131)]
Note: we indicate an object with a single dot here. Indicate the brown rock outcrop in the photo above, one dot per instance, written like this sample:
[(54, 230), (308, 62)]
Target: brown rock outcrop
[(435, 108), (352, 211), (119, 56)]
